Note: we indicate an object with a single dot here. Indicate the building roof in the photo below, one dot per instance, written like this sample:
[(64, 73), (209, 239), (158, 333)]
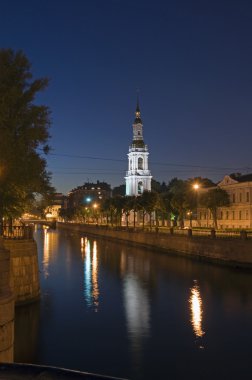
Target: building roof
[(241, 178), (90, 186)]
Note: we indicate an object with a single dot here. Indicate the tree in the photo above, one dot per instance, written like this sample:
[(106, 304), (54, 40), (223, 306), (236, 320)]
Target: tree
[(148, 202), (180, 199), (24, 132), (119, 190), (118, 205), (214, 198), (128, 207), (158, 187)]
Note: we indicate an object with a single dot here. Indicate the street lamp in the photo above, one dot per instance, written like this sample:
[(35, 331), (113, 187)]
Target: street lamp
[(196, 187), (95, 206), (189, 213)]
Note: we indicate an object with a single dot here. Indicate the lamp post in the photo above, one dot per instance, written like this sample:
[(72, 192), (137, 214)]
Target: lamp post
[(95, 205), (196, 187), (189, 213)]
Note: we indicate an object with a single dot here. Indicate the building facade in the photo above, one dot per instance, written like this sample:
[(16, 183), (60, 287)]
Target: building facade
[(138, 177), (238, 214), (88, 194), (58, 202)]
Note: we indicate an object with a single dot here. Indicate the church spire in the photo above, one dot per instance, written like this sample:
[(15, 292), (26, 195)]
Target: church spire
[(137, 113)]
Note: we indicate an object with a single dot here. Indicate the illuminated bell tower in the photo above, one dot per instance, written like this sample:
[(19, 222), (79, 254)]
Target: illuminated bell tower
[(138, 177)]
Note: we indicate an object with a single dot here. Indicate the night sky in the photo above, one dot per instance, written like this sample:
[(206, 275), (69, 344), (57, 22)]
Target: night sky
[(191, 60)]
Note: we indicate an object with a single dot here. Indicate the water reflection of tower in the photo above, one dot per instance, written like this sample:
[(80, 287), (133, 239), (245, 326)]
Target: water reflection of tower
[(136, 273), (91, 268)]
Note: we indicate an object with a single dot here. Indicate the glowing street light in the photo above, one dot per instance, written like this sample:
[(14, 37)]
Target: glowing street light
[(196, 186)]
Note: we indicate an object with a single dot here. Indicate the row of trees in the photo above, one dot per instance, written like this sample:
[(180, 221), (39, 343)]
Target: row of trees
[(172, 202)]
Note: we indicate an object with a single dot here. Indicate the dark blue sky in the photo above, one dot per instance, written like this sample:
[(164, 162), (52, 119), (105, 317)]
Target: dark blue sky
[(192, 61)]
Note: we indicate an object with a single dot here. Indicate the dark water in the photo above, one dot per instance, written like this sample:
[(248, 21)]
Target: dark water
[(122, 311)]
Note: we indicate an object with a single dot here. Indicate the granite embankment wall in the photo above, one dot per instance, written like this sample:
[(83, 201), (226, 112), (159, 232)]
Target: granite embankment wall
[(6, 307), (24, 279), (228, 251)]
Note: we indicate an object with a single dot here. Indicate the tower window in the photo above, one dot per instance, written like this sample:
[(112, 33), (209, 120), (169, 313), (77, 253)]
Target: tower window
[(140, 163), (140, 188)]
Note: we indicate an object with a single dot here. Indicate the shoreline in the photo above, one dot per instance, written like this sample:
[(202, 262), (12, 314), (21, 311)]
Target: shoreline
[(231, 252)]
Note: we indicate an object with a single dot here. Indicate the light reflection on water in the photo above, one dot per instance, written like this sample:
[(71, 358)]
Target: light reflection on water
[(196, 310), (137, 309), (46, 253), (91, 286)]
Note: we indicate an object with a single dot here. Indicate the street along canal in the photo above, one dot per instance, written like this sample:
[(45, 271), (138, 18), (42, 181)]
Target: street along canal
[(124, 311)]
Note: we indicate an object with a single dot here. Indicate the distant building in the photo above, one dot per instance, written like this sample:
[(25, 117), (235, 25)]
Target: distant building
[(58, 202), (239, 213), (138, 177), (88, 194)]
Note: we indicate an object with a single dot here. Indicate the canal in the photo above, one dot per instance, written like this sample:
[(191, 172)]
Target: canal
[(121, 311)]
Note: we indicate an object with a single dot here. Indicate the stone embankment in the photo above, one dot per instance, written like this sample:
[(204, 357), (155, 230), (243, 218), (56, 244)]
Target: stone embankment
[(6, 307), (24, 279), (235, 252)]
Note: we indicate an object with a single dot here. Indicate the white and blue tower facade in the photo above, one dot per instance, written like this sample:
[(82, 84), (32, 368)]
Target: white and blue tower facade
[(138, 177)]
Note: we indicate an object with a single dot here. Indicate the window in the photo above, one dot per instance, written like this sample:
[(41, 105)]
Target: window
[(140, 163), (221, 215), (240, 197), (227, 214), (233, 212), (140, 188), (240, 215), (234, 198), (247, 215), (247, 196)]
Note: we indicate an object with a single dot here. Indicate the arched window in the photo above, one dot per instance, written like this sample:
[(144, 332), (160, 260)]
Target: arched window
[(130, 168), (140, 188), (140, 163)]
